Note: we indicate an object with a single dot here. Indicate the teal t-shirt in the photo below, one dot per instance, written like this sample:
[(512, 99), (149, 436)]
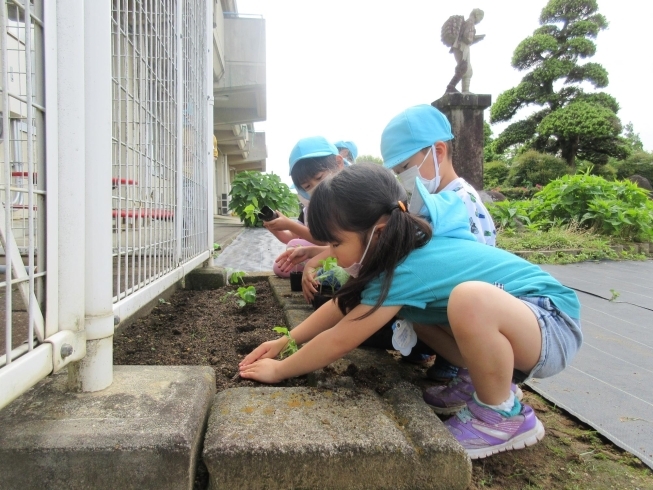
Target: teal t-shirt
[(423, 282)]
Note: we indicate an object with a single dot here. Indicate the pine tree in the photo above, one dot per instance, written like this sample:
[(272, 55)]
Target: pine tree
[(570, 122)]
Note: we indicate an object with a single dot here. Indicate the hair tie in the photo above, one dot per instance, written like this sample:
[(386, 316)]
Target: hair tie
[(402, 206)]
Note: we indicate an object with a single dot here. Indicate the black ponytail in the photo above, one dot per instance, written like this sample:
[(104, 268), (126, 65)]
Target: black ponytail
[(354, 200)]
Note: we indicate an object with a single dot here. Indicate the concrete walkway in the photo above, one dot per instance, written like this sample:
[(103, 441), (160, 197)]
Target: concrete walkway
[(252, 250)]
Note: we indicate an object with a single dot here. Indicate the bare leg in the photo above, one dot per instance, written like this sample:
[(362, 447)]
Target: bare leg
[(495, 333), (441, 340)]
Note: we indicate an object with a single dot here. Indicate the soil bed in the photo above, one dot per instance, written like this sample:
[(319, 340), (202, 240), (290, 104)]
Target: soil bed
[(205, 328), (208, 328)]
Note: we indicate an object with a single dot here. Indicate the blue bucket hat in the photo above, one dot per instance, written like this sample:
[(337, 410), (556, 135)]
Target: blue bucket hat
[(413, 129), (311, 147), (348, 145)]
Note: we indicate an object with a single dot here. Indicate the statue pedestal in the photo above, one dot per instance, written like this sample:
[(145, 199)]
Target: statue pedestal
[(465, 113)]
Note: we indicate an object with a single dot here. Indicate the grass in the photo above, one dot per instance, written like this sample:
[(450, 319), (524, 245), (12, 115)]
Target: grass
[(562, 245)]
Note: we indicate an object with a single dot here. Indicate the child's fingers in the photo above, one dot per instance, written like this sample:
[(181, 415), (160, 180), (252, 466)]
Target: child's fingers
[(254, 355)]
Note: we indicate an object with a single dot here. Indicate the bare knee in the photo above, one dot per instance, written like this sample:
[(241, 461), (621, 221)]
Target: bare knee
[(465, 307)]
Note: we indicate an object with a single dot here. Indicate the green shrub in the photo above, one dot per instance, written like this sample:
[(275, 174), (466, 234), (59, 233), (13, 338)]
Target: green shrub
[(608, 171), (613, 217), (517, 193), (510, 214), (640, 163), (495, 174), (257, 189), (531, 168), (616, 208)]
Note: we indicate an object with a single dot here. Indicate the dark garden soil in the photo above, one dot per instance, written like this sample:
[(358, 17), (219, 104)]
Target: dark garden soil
[(208, 328)]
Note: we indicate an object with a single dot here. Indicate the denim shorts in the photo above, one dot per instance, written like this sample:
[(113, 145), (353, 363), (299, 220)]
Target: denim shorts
[(561, 338)]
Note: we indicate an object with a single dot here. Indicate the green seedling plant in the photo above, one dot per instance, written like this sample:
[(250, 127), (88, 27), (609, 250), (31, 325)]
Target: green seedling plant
[(291, 346), (246, 294), (236, 277), (615, 294)]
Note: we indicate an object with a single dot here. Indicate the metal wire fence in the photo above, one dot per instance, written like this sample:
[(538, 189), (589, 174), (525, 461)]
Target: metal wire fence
[(22, 171), (159, 126)]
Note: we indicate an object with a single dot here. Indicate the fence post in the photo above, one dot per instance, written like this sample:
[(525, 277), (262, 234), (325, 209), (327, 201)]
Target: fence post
[(96, 369), (210, 198), (179, 163), (69, 196)]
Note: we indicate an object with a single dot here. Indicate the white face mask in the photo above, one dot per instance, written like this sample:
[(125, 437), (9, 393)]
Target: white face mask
[(355, 268), (408, 176), (433, 184)]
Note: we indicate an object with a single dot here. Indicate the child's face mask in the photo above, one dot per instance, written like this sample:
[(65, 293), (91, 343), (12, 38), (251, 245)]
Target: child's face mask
[(354, 269), (408, 176)]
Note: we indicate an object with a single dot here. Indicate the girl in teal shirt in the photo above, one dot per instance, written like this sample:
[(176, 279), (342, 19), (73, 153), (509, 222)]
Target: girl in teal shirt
[(502, 312)]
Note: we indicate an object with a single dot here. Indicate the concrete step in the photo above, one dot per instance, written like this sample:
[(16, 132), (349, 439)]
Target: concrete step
[(311, 438), (144, 431)]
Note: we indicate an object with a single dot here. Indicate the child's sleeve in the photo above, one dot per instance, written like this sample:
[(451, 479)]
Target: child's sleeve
[(480, 221)]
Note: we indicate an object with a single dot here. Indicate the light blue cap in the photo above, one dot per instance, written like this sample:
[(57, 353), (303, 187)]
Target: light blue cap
[(413, 129), (311, 147), (349, 145)]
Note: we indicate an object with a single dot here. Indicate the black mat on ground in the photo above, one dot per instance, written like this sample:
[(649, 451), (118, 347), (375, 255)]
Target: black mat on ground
[(632, 282), (608, 384)]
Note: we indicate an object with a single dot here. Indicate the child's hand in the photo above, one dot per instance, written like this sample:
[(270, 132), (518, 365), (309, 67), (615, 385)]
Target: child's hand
[(266, 350), (264, 370), (278, 224), (291, 257), (309, 284)]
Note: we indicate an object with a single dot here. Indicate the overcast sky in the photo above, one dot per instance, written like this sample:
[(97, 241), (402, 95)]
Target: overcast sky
[(344, 68)]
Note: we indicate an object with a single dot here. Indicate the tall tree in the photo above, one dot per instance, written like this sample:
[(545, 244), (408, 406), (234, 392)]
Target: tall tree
[(369, 159), (570, 122)]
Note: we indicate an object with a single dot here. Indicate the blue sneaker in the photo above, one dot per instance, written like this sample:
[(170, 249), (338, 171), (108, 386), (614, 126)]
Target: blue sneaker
[(442, 370)]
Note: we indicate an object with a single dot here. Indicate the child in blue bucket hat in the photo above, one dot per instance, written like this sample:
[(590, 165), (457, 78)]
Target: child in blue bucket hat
[(416, 145), (311, 160), (348, 150)]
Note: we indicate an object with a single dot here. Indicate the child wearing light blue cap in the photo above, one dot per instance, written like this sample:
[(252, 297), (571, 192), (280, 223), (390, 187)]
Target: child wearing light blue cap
[(348, 150), (416, 144), (311, 160)]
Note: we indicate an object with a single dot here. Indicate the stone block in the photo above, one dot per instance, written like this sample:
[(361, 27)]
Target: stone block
[(294, 316), (206, 278), (144, 431), (279, 438)]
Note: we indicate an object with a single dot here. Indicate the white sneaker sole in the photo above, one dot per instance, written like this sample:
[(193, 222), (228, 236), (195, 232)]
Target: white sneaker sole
[(519, 394), (529, 438)]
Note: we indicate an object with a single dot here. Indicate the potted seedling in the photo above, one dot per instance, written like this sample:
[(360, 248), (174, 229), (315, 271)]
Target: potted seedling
[(267, 214), (296, 277), (331, 279), (252, 212), (296, 280)]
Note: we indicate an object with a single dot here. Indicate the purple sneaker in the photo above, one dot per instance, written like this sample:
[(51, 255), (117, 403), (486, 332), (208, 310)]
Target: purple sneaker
[(449, 399), (484, 432)]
